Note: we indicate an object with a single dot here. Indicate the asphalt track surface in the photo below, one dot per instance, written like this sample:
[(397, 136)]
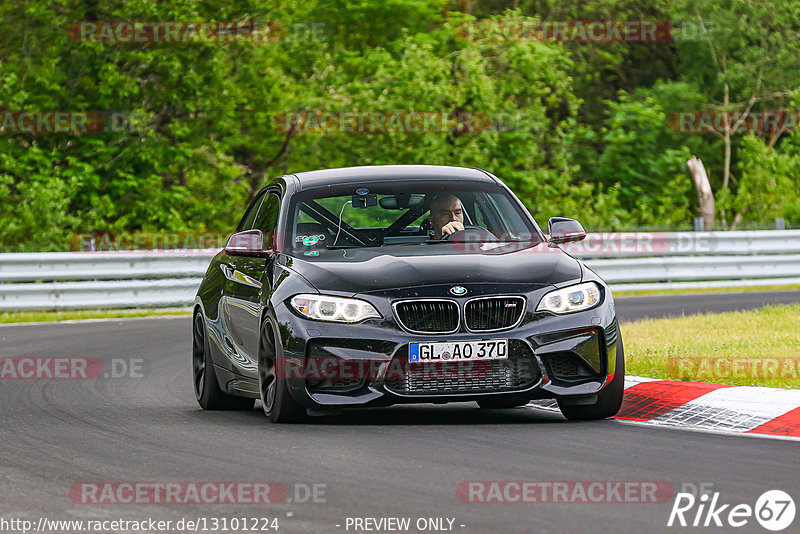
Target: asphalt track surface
[(393, 462), (640, 307)]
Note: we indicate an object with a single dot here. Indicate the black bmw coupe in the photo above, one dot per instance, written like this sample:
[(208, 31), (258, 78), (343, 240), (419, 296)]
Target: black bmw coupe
[(371, 286)]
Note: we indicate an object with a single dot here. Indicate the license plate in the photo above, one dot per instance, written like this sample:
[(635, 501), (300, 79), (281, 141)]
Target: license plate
[(492, 349)]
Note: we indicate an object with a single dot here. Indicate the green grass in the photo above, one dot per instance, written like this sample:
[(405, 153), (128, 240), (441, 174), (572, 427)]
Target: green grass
[(631, 293), (75, 315), (753, 348)]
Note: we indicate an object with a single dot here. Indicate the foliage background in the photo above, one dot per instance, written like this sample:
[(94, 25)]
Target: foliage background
[(586, 132)]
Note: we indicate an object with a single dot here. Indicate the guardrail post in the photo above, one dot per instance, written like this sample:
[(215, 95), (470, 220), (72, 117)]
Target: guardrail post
[(699, 224), (780, 224)]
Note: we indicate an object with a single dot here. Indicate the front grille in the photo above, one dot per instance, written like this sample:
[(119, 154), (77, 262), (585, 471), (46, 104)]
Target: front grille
[(428, 316), (493, 313), (431, 378)]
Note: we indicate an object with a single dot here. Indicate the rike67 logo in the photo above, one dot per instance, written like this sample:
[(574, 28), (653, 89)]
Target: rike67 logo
[(774, 510)]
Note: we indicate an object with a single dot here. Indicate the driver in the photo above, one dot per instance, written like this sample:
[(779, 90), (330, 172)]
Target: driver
[(447, 215)]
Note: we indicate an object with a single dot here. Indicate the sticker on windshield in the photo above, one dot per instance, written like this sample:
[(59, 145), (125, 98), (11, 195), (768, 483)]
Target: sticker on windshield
[(311, 253), (310, 241)]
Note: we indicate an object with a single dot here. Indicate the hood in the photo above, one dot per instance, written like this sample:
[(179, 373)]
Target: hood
[(365, 270)]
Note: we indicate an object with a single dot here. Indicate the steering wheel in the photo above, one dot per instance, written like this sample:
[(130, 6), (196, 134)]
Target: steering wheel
[(482, 234)]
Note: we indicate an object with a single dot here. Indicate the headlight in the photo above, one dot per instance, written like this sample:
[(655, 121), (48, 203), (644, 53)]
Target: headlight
[(571, 299), (334, 309)]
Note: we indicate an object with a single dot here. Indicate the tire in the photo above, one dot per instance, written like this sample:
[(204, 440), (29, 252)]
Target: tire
[(206, 388), (278, 404), (501, 404), (608, 401)]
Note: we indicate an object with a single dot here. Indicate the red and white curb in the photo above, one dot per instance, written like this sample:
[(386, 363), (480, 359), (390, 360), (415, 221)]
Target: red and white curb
[(710, 407)]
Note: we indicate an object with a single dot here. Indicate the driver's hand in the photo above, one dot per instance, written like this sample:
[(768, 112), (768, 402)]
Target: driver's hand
[(451, 228)]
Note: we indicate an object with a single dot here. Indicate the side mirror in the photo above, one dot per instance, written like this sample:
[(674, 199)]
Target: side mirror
[(563, 230), (248, 243)]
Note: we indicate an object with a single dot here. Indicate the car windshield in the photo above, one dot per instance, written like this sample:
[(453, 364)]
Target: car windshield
[(378, 215)]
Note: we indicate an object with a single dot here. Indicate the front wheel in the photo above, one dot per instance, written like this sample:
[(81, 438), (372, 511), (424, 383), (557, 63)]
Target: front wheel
[(206, 389), (609, 400), (278, 404)]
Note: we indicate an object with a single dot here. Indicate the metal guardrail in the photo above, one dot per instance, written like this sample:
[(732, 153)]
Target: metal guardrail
[(51, 266), (696, 268), (166, 293), (658, 244), (92, 280), (634, 261)]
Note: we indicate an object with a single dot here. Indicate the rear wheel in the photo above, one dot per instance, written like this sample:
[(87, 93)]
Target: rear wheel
[(206, 389), (609, 400), (501, 404), (278, 404)]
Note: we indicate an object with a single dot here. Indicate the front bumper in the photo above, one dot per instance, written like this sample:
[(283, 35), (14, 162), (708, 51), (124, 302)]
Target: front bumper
[(332, 366)]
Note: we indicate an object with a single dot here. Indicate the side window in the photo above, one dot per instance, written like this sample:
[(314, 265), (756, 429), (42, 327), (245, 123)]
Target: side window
[(267, 218), (250, 215)]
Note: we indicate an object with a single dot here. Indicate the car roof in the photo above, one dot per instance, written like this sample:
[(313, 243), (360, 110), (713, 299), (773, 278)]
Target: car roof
[(345, 175)]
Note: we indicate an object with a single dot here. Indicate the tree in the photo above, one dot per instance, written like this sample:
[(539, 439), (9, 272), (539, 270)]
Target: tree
[(746, 61)]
